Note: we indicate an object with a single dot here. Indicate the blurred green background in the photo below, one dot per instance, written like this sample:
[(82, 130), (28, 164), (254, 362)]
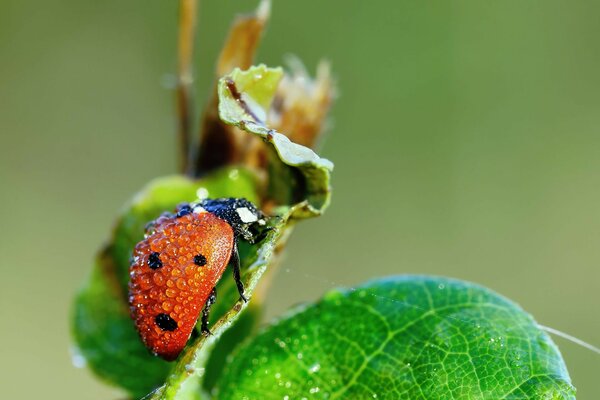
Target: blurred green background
[(466, 142)]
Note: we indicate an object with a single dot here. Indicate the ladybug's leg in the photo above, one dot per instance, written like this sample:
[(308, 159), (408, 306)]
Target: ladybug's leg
[(206, 311), (235, 260), (195, 333)]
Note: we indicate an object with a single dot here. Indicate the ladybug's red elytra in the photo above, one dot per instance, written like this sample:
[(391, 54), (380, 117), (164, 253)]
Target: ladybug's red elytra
[(175, 268)]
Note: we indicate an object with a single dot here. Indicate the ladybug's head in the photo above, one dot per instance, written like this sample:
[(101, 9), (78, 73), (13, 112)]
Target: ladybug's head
[(242, 215)]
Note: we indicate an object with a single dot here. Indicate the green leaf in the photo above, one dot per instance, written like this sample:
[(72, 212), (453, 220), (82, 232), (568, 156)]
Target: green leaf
[(401, 338), (104, 332), (106, 338), (244, 100)]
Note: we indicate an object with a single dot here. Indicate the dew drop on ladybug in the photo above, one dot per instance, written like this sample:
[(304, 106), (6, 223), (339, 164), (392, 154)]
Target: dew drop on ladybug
[(174, 270)]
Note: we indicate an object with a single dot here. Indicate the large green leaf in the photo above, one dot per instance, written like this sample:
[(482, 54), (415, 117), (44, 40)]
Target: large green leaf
[(401, 338)]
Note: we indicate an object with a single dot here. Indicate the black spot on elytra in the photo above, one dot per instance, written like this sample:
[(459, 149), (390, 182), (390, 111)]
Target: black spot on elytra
[(166, 323), (154, 261), (200, 260)]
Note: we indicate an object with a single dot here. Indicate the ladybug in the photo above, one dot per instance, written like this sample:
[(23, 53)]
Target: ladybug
[(174, 270)]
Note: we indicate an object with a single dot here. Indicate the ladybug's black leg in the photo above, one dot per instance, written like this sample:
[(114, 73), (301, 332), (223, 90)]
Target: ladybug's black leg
[(235, 260), (206, 311), (195, 333)]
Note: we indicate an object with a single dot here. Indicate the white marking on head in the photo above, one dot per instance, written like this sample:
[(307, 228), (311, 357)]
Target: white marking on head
[(262, 222), (246, 215)]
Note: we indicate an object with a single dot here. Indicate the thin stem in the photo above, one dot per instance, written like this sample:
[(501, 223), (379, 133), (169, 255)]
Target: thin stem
[(185, 79), (570, 338)]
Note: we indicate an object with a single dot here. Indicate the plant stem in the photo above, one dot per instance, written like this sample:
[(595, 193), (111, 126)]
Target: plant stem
[(185, 79)]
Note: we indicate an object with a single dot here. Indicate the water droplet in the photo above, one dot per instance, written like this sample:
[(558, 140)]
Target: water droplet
[(158, 279), (78, 360), (190, 269), (441, 286), (314, 390), (202, 193), (299, 355), (145, 282), (167, 306), (315, 368)]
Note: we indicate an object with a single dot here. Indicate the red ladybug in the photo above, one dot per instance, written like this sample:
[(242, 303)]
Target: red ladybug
[(174, 270)]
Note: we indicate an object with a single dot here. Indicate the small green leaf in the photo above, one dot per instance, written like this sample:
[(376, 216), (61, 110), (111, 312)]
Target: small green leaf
[(401, 338), (244, 100), (104, 332), (106, 338)]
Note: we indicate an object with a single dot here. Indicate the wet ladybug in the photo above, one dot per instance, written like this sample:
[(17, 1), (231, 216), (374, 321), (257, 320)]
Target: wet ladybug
[(175, 268)]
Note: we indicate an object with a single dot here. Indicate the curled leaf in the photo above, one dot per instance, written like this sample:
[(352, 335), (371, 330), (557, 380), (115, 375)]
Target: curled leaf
[(244, 98), (301, 104)]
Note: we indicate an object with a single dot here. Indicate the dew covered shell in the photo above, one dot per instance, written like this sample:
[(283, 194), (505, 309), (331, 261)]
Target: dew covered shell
[(172, 274)]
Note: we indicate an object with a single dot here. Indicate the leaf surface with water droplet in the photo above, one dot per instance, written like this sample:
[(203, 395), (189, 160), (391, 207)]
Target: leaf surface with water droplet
[(402, 338)]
